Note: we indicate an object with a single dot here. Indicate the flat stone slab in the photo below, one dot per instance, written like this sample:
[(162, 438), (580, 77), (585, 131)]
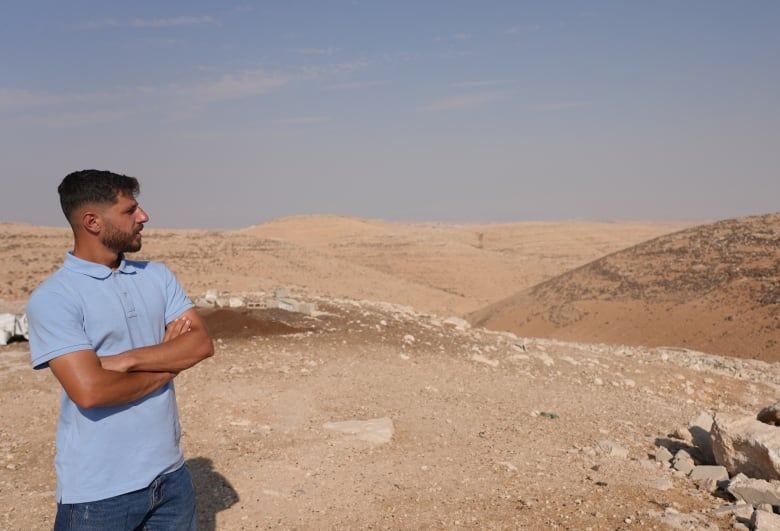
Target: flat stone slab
[(376, 431)]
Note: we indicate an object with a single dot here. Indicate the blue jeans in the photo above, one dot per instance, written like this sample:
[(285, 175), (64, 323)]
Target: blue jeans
[(168, 504)]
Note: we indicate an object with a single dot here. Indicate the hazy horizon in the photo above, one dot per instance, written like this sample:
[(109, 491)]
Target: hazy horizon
[(232, 114)]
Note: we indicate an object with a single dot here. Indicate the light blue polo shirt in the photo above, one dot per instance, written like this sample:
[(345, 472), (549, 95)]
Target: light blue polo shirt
[(107, 451)]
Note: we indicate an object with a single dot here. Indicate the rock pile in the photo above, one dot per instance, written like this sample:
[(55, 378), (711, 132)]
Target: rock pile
[(281, 299), (734, 457)]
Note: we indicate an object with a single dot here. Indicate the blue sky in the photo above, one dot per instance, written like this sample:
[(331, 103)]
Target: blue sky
[(235, 113)]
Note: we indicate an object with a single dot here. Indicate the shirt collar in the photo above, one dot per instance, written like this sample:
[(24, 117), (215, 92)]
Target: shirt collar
[(95, 270)]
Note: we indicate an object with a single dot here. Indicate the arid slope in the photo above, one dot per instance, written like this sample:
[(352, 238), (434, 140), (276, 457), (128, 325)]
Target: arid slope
[(714, 288)]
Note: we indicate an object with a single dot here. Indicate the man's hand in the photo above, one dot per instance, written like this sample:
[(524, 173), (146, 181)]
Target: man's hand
[(179, 326)]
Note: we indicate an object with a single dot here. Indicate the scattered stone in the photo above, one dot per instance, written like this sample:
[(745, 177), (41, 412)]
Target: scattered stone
[(738, 510), (685, 466), (288, 305), (682, 434), (709, 472), (235, 302), (764, 521), (754, 491), (457, 322), (661, 484), (746, 445), (662, 454), (610, 448), (707, 485)]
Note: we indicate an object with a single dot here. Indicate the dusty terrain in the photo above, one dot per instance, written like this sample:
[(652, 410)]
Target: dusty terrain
[(491, 430)]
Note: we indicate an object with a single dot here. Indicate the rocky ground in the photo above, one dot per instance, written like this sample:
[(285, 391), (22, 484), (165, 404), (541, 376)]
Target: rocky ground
[(489, 430)]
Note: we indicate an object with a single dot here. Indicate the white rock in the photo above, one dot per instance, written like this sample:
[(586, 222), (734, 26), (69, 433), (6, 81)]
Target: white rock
[(610, 448), (764, 521), (457, 322), (746, 445), (377, 431), (754, 491)]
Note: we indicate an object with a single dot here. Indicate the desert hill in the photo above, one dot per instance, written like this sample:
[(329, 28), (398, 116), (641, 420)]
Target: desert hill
[(713, 287), (452, 269), (439, 268)]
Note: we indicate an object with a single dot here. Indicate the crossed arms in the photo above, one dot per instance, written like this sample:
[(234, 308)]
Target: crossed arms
[(93, 381)]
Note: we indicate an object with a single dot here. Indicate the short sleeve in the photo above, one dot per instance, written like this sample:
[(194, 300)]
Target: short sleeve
[(56, 326), (177, 301)]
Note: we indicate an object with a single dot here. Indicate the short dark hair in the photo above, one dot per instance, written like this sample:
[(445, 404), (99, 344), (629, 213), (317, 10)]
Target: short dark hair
[(94, 186)]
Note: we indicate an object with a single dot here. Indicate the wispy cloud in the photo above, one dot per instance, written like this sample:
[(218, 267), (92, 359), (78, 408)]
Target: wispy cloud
[(346, 67), (356, 85), (455, 103), (170, 22), (477, 84), (561, 106), (180, 99), (303, 120), (317, 51), (74, 119), (147, 22), (234, 86), (19, 99)]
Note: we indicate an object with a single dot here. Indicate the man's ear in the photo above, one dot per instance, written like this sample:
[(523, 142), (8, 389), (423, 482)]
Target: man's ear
[(91, 221)]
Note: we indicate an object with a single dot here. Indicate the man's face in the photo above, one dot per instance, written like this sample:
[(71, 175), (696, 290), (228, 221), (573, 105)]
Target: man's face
[(123, 222)]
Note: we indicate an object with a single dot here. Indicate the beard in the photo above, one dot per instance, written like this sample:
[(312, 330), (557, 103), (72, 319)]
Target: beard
[(119, 241)]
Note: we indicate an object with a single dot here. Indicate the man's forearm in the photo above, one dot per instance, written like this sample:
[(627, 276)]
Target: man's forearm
[(117, 389), (90, 385), (175, 355)]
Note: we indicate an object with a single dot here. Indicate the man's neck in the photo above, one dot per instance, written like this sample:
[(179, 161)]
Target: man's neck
[(98, 255)]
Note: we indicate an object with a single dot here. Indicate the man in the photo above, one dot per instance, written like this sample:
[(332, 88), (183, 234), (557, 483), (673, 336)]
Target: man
[(115, 333)]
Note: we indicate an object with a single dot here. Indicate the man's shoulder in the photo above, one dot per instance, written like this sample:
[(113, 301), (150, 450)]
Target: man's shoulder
[(54, 282), (57, 286)]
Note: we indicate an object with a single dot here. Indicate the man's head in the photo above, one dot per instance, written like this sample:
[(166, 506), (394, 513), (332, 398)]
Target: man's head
[(93, 187), (102, 204)]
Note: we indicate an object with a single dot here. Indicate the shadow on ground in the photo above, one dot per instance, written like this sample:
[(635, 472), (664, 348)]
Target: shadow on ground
[(214, 492)]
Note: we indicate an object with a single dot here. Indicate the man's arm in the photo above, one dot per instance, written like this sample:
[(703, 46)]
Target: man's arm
[(186, 343), (90, 385)]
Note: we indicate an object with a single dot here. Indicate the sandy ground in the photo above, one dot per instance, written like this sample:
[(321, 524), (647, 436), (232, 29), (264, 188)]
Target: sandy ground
[(490, 430)]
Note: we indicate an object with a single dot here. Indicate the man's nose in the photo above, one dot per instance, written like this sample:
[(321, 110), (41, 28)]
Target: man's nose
[(142, 217)]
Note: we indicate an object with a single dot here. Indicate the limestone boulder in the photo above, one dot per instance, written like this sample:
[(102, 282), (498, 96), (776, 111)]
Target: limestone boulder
[(746, 445)]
